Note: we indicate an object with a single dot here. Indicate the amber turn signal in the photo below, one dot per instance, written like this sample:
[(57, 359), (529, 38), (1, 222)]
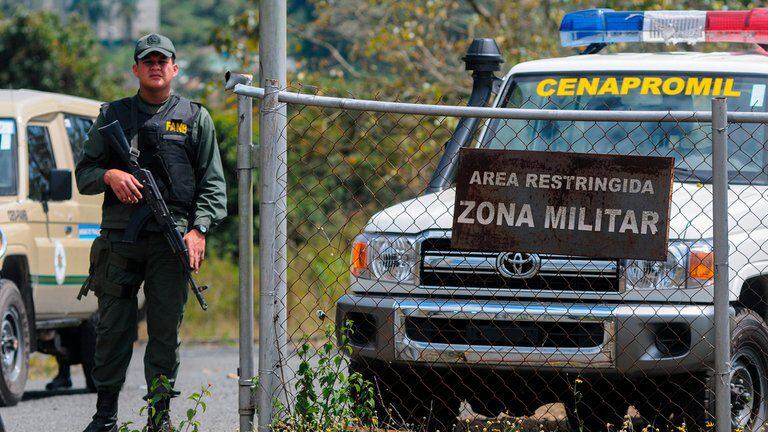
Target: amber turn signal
[(359, 257), (702, 264)]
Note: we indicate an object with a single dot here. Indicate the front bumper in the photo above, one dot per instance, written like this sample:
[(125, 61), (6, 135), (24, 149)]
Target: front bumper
[(632, 341)]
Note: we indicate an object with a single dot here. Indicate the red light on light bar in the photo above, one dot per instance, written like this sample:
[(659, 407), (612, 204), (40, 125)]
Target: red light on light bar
[(737, 26)]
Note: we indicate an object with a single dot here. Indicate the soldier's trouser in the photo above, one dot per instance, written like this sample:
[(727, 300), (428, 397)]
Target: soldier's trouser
[(148, 260)]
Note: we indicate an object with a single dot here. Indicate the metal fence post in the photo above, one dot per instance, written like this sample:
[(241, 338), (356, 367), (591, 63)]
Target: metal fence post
[(721, 290), (267, 227), (245, 259), (272, 231)]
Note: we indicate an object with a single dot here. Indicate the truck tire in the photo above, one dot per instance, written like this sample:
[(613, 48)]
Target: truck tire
[(14, 344), (749, 373), (408, 397)]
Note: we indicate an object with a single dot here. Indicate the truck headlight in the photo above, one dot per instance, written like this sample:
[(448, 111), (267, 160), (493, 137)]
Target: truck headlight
[(688, 265), (386, 257), (3, 243)]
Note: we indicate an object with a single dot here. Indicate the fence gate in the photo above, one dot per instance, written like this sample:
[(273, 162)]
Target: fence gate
[(456, 338)]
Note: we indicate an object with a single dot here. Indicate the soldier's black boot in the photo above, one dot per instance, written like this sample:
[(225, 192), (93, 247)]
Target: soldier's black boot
[(159, 416), (105, 419), (63, 380)]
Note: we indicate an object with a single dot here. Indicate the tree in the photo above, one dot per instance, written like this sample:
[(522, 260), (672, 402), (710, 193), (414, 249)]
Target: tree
[(126, 10), (93, 11), (37, 51), (414, 49)]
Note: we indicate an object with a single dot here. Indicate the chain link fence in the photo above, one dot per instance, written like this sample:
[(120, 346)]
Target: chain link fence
[(509, 340)]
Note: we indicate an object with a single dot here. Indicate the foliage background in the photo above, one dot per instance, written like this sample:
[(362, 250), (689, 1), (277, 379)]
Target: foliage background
[(342, 166)]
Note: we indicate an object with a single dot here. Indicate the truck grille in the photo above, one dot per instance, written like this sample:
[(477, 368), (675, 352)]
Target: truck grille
[(528, 334), (442, 266)]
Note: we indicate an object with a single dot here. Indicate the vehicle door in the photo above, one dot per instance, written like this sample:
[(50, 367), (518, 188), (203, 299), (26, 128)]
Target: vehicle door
[(56, 285), (87, 226)]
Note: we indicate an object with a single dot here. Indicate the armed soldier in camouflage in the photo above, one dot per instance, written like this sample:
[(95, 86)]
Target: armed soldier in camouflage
[(174, 139)]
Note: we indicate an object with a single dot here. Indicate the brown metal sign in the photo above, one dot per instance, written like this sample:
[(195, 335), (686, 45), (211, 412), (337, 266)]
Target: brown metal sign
[(589, 205)]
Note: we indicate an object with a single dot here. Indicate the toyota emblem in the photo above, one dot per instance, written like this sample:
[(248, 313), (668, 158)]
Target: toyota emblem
[(518, 265)]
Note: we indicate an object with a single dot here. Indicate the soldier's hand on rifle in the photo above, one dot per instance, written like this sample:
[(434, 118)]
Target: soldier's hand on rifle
[(195, 242), (125, 186)]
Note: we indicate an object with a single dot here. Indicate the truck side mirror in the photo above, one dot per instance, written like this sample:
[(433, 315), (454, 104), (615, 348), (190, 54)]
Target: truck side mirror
[(60, 185)]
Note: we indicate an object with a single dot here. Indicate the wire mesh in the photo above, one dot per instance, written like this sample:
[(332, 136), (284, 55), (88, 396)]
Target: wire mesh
[(456, 340)]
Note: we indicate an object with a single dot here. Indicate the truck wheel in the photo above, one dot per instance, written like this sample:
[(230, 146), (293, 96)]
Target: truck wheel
[(14, 344), (749, 381), (416, 397)]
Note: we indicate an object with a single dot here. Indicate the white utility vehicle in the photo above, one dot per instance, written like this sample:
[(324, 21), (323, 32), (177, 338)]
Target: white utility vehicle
[(434, 325)]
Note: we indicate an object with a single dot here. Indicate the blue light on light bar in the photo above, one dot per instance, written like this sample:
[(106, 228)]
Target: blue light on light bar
[(583, 27), (624, 26), (601, 26)]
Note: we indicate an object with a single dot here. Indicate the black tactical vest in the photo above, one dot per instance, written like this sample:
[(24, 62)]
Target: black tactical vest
[(167, 145)]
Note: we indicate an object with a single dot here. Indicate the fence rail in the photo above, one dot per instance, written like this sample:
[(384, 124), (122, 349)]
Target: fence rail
[(498, 113)]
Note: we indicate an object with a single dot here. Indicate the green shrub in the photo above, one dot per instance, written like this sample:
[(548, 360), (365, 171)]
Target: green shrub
[(189, 424), (345, 401)]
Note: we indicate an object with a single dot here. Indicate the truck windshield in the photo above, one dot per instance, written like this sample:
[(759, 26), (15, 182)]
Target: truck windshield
[(8, 157), (689, 143)]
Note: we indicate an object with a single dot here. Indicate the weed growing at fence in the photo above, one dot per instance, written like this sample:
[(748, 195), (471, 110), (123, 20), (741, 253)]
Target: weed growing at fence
[(344, 401), (189, 424), (577, 396)]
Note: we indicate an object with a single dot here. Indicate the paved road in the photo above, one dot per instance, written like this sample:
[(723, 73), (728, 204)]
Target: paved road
[(71, 412)]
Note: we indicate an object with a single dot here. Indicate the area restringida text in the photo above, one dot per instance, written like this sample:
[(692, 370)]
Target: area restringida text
[(579, 218)]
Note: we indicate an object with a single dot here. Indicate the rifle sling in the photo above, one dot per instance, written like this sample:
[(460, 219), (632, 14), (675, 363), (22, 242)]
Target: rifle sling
[(134, 132)]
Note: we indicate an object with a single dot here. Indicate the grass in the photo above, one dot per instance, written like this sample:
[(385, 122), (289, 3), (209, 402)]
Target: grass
[(220, 322), (42, 366)]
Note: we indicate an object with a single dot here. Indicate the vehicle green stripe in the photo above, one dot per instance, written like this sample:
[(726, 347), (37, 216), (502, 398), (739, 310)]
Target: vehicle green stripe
[(51, 280)]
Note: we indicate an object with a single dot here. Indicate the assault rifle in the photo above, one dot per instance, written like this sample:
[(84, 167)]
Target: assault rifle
[(152, 204)]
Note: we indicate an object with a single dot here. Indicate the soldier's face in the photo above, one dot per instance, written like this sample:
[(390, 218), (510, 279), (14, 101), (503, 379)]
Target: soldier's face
[(155, 71)]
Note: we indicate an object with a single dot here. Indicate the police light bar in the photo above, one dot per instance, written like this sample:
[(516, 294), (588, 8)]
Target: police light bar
[(605, 26)]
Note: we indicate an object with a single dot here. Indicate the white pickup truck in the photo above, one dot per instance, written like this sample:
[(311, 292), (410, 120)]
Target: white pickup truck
[(511, 330)]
